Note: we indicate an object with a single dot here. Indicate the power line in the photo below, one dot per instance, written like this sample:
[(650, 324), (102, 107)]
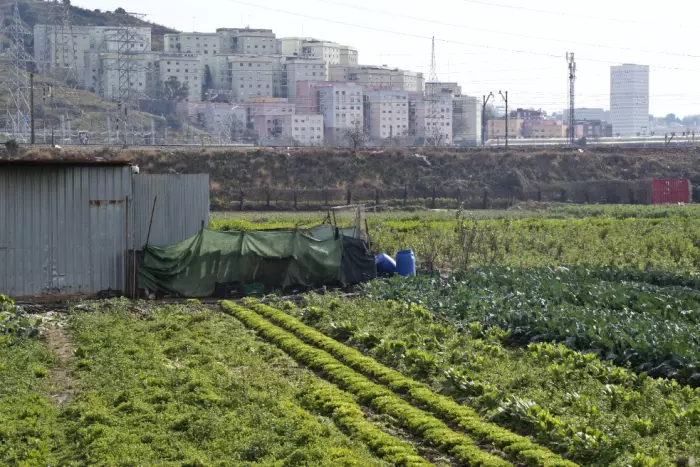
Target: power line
[(506, 33), (448, 41), (575, 15)]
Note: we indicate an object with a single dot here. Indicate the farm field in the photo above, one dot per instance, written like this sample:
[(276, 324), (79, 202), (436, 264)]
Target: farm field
[(563, 336), (637, 237)]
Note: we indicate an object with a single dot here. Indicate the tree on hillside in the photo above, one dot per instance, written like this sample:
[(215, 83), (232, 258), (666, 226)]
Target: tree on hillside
[(175, 91), (355, 136)]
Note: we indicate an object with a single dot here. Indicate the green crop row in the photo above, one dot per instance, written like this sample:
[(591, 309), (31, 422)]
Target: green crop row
[(345, 412), (654, 329), (574, 403), (520, 448), (460, 446)]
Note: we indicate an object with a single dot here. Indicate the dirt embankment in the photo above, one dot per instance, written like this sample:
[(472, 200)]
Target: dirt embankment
[(467, 169)]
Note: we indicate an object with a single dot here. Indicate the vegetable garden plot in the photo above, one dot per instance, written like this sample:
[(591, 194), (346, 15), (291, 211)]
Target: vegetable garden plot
[(573, 403), (653, 329), (515, 447)]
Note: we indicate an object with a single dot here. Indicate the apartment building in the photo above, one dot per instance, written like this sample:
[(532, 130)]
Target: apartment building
[(586, 113), (193, 42), (101, 74), (247, 41), (348, 55), (544, 129), (496, 128), (364, 75), (55, 48), (466, 120), (426, 127), (386, 114), (295, 70), (629, 100), (187, 68), (251, 76), (307, 129), (341, 105)]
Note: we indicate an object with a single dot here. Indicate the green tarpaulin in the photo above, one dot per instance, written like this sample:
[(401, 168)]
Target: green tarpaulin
[(278, 258)]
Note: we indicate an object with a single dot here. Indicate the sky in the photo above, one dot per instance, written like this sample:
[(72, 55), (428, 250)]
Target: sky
[(485, 45)]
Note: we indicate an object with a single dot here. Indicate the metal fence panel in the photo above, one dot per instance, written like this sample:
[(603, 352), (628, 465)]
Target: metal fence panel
[(181, 206), (62, 229)]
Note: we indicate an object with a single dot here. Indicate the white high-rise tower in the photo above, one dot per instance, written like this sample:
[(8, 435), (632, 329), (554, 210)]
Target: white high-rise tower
[(629, 100)]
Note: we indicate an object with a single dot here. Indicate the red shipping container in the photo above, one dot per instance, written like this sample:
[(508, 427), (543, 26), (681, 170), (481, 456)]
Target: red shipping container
[(670, 191)]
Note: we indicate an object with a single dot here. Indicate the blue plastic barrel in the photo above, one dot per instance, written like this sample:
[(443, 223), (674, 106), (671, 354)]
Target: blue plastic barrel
[(405, 263), (385, 264)]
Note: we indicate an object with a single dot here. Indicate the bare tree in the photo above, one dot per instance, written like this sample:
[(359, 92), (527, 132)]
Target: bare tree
[(435, 137), (355, 136)]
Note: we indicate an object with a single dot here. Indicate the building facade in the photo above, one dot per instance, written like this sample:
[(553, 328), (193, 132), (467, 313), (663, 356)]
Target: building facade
[(386, 114), (544, 129), (394, 78), (52, 45), (585, 113), (101, 74), (193, 42), (629, 100), (342, 107), (247, 41), (466, 120), (307, 130), (496, 128), (295, 70), (186, 68), (251, 77)]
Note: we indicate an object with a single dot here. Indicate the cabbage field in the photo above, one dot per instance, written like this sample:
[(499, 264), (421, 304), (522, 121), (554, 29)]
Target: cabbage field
[(563, 337)]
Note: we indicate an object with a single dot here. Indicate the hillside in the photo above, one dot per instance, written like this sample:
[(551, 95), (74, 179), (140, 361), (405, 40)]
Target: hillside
[(37, 12), (87, 111), (502, 173)]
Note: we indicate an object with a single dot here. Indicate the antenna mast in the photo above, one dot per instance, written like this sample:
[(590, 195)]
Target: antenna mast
[(432, 131), (572, 95), (17, 85)]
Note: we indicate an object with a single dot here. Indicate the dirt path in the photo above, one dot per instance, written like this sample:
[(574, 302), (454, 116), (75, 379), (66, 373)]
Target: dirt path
[(60, 377)]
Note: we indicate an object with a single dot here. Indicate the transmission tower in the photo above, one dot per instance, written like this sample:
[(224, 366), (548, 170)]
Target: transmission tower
[(125, 39), (17, 86), (572, 95), (432, 98), (60, 58)]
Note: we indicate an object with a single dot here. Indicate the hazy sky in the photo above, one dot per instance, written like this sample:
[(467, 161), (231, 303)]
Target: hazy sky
[(485, 45)]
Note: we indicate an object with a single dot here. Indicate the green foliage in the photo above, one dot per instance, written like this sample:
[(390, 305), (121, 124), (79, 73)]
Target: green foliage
[(576, 404), (186, 386), (619, 316), (516, 447), (663, 238), (15, 323)]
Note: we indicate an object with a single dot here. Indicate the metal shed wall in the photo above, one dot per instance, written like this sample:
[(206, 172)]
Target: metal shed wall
[(182, 205), (62, 228)]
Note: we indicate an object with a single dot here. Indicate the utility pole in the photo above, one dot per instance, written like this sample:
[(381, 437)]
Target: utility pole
[(572, 94), (31, 107), (505, 98), (483, 118)]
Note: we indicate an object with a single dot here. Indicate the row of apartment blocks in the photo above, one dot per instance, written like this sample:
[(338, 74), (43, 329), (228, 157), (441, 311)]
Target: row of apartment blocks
[(325, 111), (298, 89)]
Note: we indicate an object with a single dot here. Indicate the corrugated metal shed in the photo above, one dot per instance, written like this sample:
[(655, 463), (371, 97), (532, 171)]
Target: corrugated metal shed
[(62, 228), (182, 205)]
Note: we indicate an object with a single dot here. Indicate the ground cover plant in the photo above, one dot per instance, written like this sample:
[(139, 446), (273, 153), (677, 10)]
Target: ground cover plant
[(638, 237), (176, 385), (650, 328), (309, 347), (574, 403)]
